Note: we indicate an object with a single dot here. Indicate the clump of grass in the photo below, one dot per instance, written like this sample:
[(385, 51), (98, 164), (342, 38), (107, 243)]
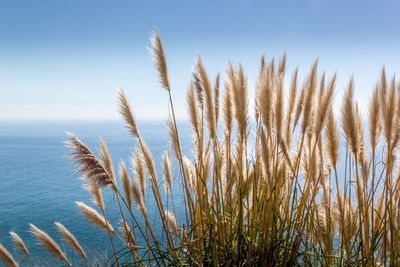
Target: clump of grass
[(273, 190)]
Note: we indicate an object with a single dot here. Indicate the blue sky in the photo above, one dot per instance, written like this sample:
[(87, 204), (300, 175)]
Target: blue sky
[(64, 59)]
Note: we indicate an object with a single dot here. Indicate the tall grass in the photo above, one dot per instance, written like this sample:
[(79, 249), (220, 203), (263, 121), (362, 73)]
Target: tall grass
[(269, 193)]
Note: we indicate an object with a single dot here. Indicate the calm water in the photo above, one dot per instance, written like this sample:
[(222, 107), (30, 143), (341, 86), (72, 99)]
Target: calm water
[(38, 183)]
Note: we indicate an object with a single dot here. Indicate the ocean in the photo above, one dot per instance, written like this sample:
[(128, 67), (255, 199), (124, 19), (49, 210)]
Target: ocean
[(39, 183)]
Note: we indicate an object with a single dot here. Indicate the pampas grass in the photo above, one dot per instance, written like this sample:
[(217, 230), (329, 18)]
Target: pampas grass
[(126, 183), (273, 190), (49, 243), (96, 193), (206, 94), (89, 165), (71, 239), (19, 243), (159, 59), (167, 172), (140, 172), (93, 216), (125, 110)]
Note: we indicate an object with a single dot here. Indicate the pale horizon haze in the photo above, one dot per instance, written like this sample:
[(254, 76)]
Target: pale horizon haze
[(66, 60)]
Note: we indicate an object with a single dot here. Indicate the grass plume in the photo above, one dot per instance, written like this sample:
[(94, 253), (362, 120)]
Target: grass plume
[(49, 243), (71, 239), (19, 243)]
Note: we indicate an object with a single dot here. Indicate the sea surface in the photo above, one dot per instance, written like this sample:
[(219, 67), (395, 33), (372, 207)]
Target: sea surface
[(39, 183)]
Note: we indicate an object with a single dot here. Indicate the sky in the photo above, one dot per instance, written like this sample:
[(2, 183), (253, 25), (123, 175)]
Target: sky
[(65, 60)]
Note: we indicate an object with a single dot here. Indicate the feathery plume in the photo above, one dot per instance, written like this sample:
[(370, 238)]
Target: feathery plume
[(126, 183), (256, 102), (49, 243), (228, 115), (389, 112), (282, 65), (140, 172), (174, 137), (322, 85), (239, 98), (309, 96), (324, 106), (19, 242), (279, 105), (375, 126), (192, 105), (172, 221), (198, 89), (349, 119), (89, 164), (383, 86), (265, 153), (167, 171), (299, 106), (360, 131), (207, 95), (149, 161), (188, 165), (94, 217), (291, 105), (127, 114), (107, 161), (264, 95), (332, 137), (159, 59), (96, 194), (138, 197), (71, 239)]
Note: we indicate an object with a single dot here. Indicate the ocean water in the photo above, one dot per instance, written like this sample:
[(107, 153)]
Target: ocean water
[(39, 185)]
